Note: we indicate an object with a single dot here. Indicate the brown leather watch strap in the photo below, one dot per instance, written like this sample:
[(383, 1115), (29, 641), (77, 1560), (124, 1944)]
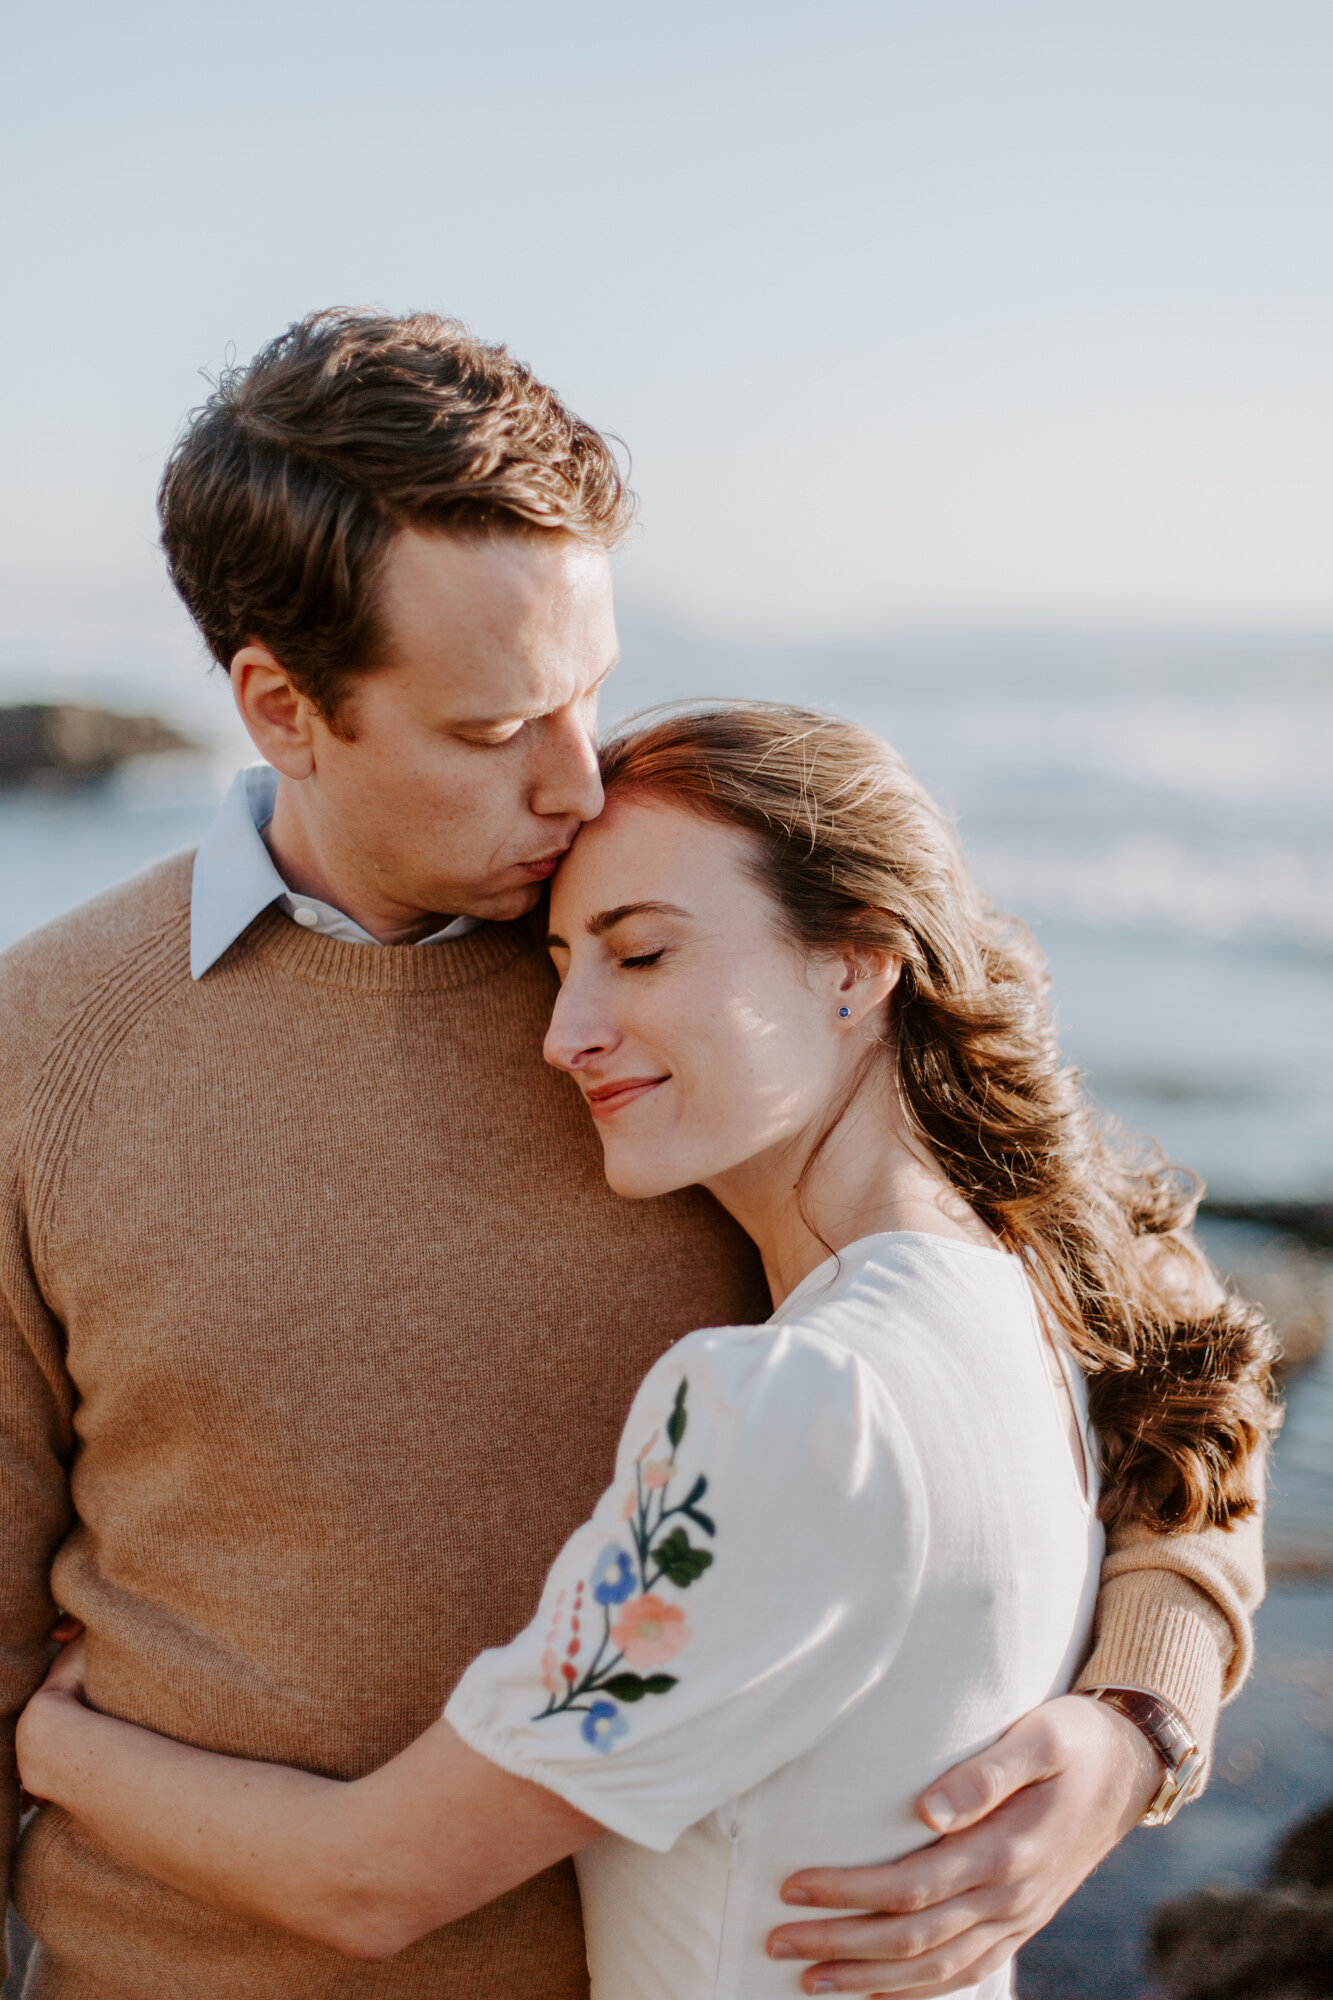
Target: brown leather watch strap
[(1170, 1736)]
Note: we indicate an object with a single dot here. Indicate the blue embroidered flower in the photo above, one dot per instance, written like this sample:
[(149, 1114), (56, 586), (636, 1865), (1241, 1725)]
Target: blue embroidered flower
[(641, 1628), (603, 1724), (613, 1576)]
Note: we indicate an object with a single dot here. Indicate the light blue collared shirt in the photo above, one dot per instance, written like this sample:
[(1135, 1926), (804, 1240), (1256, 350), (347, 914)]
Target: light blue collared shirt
[(235, 880)]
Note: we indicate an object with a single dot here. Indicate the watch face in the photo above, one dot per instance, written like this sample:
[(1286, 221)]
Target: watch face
[(1178, 1787)]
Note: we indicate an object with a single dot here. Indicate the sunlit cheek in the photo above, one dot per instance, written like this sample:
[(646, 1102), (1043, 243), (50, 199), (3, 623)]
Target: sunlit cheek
[(762, 1073)]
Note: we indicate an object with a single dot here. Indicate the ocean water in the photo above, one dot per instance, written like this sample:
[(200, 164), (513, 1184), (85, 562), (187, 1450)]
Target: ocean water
[(1158, 809)]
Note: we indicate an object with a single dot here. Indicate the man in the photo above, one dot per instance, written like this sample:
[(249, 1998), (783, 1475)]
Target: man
[(319, 1322)]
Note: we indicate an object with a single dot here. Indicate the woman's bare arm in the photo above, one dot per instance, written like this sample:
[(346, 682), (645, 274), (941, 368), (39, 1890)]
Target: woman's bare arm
[(366, 1866)]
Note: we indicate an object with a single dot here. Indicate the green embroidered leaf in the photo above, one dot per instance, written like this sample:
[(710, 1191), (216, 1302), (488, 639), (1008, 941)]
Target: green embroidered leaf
[(689, 1506), (679, 1561), (675, 1429), (633, 1687), (688, 1569)]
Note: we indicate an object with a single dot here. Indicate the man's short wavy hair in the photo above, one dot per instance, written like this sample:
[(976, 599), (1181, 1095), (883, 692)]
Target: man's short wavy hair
[(285, 489)]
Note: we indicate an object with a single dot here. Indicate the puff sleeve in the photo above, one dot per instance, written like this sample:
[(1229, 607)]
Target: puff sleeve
[(745, 1580)]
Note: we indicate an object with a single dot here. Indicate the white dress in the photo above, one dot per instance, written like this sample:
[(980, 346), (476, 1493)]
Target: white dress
[(842, 1550)]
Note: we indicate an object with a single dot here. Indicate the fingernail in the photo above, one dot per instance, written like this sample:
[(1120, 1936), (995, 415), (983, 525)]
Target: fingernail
[(782, 1950), (822, 1986), (795, 1896), (940, 1810)]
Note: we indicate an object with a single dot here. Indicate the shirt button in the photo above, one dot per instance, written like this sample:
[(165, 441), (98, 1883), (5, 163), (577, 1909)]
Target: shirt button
[(305, 916)]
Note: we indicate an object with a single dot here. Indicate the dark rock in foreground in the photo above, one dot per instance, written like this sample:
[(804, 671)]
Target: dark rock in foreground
[(1274, 1943), (61, 740), (1246, 1944)]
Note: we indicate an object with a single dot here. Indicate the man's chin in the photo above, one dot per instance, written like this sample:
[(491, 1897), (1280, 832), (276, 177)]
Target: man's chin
[(507, 904)]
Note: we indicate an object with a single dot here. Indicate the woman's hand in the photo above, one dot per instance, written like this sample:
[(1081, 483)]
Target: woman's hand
[(366, 1865), (48, 1724), (68, 1672)]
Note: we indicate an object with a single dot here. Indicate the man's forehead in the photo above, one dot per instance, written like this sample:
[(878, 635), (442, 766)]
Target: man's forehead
[(494, 628), (495, 579)]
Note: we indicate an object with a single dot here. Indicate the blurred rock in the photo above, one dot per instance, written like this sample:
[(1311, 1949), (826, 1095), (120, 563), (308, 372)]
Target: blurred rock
[(1304, 1858), (1273, 1943), (59, 740), (1246, 1944)]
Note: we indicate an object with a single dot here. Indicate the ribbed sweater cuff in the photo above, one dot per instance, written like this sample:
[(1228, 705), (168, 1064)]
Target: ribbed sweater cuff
[(1158, 1631)]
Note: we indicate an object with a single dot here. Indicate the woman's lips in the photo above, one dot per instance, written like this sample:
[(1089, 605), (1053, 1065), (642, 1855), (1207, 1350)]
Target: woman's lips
[(610, 1097)]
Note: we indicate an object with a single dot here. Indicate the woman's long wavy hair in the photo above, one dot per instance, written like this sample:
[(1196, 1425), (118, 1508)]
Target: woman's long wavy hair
[(855, 854)]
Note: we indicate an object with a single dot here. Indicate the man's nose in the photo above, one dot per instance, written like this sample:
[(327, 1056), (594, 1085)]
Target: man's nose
[(568, 780), (579, 1031)]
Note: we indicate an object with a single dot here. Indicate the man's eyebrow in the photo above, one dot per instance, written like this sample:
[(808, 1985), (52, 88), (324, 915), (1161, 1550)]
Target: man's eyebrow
[(606, 920)]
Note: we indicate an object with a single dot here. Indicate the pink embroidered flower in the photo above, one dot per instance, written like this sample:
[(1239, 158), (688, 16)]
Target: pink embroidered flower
[(650, 1631), (648, 1447), (627, 1507), (552, 1679), (657, 1474)]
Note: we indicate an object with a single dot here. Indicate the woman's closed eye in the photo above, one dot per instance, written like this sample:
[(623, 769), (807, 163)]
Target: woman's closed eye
[(636, 959)]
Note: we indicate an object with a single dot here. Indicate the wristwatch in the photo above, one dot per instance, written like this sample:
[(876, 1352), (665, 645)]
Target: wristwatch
[(1170, 1735)]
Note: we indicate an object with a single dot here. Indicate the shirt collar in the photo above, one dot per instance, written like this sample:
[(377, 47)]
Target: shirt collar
[(235, 880)]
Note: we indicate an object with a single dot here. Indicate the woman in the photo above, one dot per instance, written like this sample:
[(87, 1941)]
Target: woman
[(840, 1550)]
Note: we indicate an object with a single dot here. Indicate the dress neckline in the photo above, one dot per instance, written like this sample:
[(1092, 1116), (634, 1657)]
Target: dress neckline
[(857, 1253)]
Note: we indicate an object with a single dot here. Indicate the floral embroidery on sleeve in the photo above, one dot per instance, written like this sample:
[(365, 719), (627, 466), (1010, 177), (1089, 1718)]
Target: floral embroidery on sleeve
[(640, 1627)]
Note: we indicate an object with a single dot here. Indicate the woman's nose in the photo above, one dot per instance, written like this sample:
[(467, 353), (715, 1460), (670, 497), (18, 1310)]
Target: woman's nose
[(579, 1030)]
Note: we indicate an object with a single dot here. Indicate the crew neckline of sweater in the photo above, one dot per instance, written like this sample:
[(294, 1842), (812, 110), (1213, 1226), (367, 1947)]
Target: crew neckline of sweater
[(387, 968)]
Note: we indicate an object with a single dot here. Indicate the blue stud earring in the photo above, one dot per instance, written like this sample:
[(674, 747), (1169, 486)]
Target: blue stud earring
[(844, 1012)]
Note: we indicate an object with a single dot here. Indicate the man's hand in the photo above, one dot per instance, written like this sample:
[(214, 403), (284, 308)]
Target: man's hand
[(1022, 1824)]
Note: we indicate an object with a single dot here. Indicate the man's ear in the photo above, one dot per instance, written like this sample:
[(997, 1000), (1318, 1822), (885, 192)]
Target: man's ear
[(280, 720), (864, 980)]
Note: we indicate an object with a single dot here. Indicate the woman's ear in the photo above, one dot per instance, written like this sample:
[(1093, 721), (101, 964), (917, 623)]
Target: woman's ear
[(863, 981)]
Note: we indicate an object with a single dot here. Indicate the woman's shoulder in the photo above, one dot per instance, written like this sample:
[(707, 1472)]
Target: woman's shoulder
[(903, 1279), (837, 1319), (814, 1351), (843, 1364), (789, 1395)]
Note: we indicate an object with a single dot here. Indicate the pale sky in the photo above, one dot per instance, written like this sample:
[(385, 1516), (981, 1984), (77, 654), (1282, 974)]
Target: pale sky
[(924, 310)]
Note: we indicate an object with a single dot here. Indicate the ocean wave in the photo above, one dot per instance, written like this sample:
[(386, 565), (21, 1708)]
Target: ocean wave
[(1252, 891)]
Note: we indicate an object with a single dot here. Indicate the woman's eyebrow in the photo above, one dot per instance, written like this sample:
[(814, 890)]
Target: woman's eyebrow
[(607, 920)]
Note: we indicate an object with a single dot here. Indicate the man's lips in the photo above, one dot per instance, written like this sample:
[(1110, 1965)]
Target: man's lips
[(609, 1097), (541, 871)]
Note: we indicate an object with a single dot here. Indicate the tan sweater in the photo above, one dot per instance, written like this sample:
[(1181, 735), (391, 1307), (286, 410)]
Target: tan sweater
[(317, 1328)]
